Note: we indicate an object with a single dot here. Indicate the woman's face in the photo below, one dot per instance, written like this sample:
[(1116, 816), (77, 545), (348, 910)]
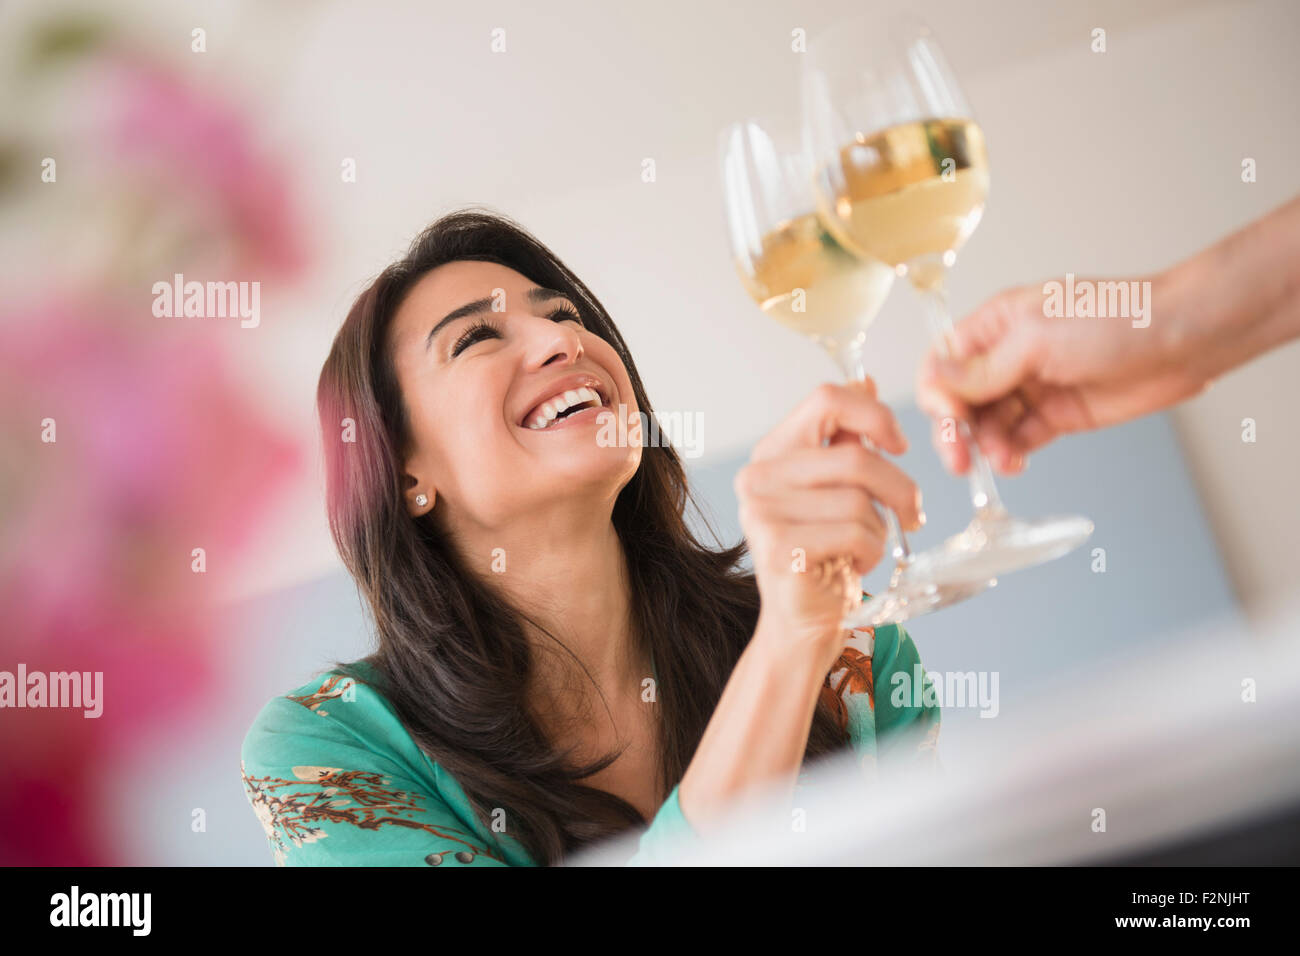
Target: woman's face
[(477, 384)]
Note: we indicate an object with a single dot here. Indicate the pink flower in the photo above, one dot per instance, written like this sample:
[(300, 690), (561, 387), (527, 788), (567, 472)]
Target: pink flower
[(157, 452), (195, 149)]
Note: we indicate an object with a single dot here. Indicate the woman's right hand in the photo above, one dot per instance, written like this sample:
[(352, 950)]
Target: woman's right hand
[(808, 515)]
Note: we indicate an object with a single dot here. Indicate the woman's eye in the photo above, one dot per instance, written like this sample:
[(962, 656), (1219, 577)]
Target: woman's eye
[(561, 313), (479, 330), (485, 330)]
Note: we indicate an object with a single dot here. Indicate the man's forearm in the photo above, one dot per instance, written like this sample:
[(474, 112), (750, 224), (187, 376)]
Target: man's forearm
[(1240, 297)]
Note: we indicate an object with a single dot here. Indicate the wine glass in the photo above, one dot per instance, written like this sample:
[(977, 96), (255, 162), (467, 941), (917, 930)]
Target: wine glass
[(801, 276), (900, 175)]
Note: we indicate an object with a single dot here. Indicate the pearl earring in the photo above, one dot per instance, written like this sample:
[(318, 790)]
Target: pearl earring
[(421, 500)]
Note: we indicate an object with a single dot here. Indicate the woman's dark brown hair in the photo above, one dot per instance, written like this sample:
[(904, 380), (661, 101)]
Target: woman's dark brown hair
[(452, 654)]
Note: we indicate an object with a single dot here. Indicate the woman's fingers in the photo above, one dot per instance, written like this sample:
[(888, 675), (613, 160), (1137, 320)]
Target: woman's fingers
[(829, 410), (804, 546), (820, 506), (808, 506), (846, 463), (809, 500)]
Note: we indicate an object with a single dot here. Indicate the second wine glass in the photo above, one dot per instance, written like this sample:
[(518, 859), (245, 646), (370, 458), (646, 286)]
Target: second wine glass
[(901, 175), (800, 275)]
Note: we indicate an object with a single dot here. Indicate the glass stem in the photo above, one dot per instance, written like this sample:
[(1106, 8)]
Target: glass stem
[(983, 491), (850, 361)]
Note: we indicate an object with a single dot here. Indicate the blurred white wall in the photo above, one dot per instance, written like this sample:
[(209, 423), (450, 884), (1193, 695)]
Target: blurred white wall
[(1115, 162)]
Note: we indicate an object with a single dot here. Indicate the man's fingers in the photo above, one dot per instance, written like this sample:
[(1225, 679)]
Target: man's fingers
[(1033, 432), (987, 376), (1004, 414), (1000, 453), (934, 396), (993, 431), (947, 442), (993, 319), (994, 349)]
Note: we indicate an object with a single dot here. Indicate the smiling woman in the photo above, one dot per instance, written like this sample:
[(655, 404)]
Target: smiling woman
[(559, 658)]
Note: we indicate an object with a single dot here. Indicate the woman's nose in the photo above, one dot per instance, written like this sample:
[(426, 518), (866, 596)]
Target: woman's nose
[(555, 342)]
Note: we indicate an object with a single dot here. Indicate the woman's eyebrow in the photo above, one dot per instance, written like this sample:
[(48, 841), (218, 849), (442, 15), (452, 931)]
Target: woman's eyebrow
[(534, 295)]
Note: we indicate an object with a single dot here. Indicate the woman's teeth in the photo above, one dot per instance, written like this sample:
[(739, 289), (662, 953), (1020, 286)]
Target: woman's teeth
[(553, 407)]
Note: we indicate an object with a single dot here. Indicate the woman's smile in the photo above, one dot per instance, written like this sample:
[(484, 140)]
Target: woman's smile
[(564, 400), (588, 414)]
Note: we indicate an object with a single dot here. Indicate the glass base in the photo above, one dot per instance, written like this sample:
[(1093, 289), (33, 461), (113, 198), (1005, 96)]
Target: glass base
[(997, 543), (908, 598)]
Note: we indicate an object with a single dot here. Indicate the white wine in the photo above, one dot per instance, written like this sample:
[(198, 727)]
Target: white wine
[(807, 281), (910, 192)]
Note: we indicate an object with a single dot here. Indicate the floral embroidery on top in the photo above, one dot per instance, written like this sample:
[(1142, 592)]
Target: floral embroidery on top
[(326, 692), (356, 797), (850, 675)]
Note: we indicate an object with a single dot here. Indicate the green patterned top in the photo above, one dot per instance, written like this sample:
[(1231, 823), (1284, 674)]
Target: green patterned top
[(335, 779)]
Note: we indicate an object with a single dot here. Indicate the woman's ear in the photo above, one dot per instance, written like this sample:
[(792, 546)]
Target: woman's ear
[(419, 498)]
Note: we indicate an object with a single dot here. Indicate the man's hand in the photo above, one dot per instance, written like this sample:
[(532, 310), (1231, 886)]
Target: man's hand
[(1021, 378)]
